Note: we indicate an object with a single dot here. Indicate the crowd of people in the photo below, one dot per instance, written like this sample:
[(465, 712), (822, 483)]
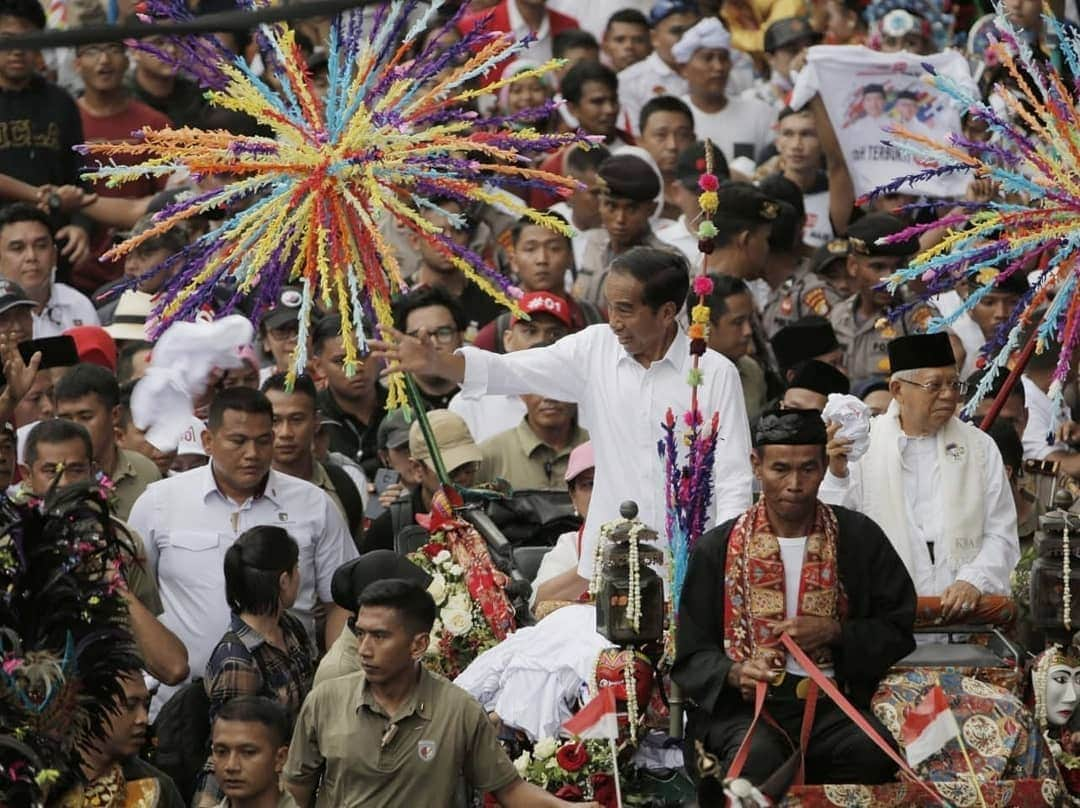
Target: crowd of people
[(267, 564)]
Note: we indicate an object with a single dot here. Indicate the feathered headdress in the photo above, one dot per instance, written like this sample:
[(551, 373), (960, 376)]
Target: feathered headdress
[(63, 637), (309, 202)]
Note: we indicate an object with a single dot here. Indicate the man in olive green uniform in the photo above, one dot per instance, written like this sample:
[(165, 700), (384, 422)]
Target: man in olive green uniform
[(533, 455), (395, 734)]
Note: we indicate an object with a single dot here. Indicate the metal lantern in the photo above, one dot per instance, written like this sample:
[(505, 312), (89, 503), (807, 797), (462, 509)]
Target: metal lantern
[(629, 594)]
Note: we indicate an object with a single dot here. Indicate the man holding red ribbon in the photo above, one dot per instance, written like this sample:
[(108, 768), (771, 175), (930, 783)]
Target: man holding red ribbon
[(826, 577)]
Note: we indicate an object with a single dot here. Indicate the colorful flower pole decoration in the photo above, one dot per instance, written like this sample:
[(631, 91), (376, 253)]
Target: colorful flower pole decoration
[(1030, 227), (689, 481), (305, 204)]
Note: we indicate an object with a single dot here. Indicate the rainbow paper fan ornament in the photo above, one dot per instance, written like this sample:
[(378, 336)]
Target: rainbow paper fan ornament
[(308, 203), (1032, 226)]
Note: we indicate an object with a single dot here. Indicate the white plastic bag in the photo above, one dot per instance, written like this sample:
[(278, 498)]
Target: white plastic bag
[(854, 419)]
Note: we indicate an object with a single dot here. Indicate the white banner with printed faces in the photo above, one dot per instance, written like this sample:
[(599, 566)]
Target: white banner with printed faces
[(866, 92)]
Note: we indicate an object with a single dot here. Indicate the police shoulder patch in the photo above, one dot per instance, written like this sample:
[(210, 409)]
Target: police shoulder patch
[(817, 301)]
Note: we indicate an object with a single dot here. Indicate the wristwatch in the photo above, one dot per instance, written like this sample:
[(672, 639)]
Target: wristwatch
[(54, 202)]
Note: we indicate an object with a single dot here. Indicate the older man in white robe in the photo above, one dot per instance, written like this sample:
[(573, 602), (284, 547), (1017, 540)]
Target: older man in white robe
[(935, 484)]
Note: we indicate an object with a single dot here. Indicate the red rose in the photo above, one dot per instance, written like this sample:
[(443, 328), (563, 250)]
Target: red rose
[(604, 790), (433, 548), (572, 756), (569, 792)]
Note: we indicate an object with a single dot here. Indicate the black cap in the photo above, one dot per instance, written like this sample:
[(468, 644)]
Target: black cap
[(629, 177), (393, 432), (741, 202), (921, 351), (864, 233), (790, 428), (286, 308), (12, 296), (691, 164), (806, 338), (819, 377), (907, 95), (874, 88), (828, 254), (353, 577), (789, 31), (1015, 284), (662, 9)]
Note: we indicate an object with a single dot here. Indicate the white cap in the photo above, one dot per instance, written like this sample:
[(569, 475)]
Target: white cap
[(709, 33)]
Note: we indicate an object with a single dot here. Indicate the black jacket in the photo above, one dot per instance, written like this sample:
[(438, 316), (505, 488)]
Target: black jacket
[(876, 632)]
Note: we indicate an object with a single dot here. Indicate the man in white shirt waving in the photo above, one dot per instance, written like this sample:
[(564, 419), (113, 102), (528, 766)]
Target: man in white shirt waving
[(624, 377), (935, 484)]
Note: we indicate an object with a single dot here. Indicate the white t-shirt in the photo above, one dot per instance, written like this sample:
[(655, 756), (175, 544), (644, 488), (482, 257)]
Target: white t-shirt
[(971, 336), (743, 128), (818, 229), (791, 553), (1042, 421), (487, 416)]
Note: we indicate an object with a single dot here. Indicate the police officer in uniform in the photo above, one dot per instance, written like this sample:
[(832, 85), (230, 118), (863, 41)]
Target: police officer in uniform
[(861, 322), (813, 292)]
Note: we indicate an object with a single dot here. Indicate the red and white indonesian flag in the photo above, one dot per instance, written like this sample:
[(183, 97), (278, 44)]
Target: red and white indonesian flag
[(597, 719), (928, 727)]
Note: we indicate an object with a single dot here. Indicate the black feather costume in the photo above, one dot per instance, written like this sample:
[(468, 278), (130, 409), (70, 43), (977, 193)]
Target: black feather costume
[(64, 637)]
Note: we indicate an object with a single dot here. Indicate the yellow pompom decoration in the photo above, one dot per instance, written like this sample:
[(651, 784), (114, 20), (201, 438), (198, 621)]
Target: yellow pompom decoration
[(987, 275), (709, 201), (700, 314)]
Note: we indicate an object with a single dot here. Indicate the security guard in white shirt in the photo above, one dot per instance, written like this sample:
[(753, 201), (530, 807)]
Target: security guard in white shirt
[(188, 522)]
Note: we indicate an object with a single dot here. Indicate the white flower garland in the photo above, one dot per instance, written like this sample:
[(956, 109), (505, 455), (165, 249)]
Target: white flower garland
[(1066, 572), (633, 608), (630, 683)]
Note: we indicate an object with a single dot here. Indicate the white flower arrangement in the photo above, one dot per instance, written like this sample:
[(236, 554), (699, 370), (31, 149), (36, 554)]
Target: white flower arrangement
[(545, 748), (461, 632), (457, 621), (522, 762)]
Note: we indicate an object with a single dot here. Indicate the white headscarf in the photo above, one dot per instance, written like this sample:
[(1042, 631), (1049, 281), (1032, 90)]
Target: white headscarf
[(709, 33)]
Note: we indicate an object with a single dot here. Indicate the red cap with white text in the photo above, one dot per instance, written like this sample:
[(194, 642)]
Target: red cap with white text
[(544, 303)]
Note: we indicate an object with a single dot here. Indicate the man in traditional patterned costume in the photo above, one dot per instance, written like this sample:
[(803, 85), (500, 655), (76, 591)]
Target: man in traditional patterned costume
[(826, 576)]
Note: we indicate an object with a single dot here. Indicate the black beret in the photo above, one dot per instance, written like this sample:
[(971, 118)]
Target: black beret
[(628, 176), (819, 377), (745, 203), (827, 254), (805, 338), (353, 577), (789, 31), (863, 235)]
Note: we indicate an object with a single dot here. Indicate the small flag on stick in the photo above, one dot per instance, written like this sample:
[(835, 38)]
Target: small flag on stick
[(597, 719), (928, 727)]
